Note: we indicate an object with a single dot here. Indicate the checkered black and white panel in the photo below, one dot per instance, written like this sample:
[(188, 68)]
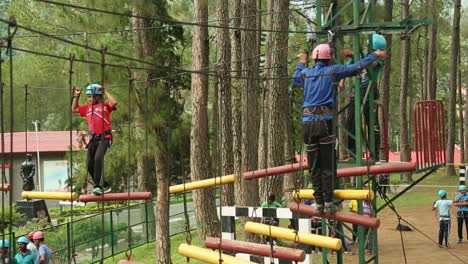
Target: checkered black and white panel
[(229, 213), (462, 173)]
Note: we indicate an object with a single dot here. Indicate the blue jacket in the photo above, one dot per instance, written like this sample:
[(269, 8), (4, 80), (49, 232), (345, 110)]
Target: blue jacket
[(462, 199), (318, 82)]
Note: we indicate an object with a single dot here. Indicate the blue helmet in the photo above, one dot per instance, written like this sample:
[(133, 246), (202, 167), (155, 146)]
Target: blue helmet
[(4, 243), (442, 193), (462, 188), (92, 89), (23, 239), (378, 42)]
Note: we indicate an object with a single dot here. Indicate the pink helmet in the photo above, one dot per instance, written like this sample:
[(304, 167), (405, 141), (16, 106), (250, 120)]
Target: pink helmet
[(38, 235), (322, 52), (30, 235)]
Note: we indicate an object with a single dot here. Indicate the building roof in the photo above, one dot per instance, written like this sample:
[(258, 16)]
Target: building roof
[(47, 141)]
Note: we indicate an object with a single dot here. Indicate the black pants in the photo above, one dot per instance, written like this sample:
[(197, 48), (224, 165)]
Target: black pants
[(444, 231), (350, 125), (320, 143), (97, 149), (462, 216)]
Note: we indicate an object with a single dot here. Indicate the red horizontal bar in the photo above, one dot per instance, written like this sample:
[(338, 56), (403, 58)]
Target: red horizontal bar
[(347, 217), (255, 249), (115, 197), (341, 172)]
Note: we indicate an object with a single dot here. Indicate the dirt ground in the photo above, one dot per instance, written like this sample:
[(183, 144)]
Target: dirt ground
[(418, 247)]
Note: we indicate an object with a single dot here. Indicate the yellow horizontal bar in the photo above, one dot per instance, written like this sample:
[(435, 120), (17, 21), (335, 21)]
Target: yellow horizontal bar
[(338, 194), (65, 196), (289, 234), (203, 183), (208, 255)]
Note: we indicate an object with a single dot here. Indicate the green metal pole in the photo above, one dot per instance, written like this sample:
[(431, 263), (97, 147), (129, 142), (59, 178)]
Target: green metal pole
[(147, 203), (68, 242), (111, 219)]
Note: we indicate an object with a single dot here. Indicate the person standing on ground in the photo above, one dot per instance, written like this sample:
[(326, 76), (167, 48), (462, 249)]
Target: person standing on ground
[(442, 206), (43, 253), (97, 113), (318, 112), (31, 246), (462, 212), (5, 253), (24, 256)]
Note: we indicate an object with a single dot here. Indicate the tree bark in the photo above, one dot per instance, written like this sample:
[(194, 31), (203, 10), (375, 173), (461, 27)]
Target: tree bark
[(236, 67), (224, 99), (453, 88), (264, 125), (203, 199), (404, 88), (278, 93), (144, 47), (248, 191)]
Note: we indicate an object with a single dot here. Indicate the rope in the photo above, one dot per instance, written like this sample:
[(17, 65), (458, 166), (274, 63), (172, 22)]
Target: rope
[(103, 65), (70, 168), (128, 253), (11, 35), (2, 113), (176, 22)]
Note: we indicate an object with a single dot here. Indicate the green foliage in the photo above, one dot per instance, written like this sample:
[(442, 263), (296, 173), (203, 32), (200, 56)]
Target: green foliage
[(5, 222)]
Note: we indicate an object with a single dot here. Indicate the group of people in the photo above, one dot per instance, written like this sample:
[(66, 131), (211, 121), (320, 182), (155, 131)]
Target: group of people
[(32, 249), (443, 209)]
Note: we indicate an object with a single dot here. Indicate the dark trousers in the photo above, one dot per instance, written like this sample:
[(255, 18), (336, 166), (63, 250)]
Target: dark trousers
[(462, 216), (350, 118), (320, 143), (444, 231), (97, 149)]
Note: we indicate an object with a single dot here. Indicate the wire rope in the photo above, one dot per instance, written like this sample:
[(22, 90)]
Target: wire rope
[(70, 167), (11, 33), (176, 22)]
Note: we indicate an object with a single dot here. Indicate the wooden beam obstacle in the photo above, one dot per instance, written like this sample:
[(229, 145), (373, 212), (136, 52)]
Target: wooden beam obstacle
[(338, 194), (65, 196), (290, 234), (203, 183), (341, 172), (283, 253), (208, 255), (230, 213), (346, 217), (116, 197)]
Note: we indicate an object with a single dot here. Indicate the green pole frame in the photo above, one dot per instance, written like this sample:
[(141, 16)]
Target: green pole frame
[(68, 242), (147, 203), (111, 219)]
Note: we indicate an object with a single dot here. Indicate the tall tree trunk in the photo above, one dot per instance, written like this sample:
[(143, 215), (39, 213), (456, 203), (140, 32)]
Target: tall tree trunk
[(248, 191), (386, 71), (404, 88), (277, 97), (236, 67), (453, 87), (264, 125), (144, 47), (203, 199), (432, 53), (224, 99)]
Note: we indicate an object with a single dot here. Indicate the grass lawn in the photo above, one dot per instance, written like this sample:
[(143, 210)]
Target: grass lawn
[(418, 196)]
